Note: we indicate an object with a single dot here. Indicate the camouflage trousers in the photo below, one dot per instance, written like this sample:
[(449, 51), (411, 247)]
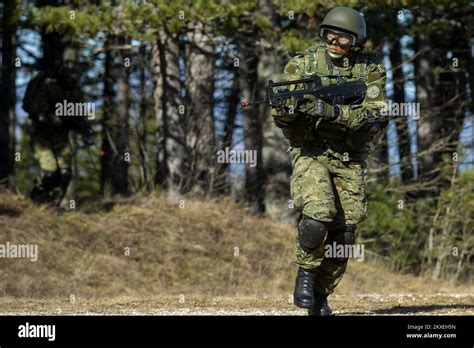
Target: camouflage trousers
[(53, 153), (327, 187)]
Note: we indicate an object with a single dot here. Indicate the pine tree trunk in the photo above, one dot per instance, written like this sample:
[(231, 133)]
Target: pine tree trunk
[(426, 94), (142, 126), (172, 159), (122, 161), (106, 149), (255, 177), (114, 164), (223, 183), (276, 161), (161, 171), (439, 92), (452, 100), (199, 120), (7, 95), (401, 123)]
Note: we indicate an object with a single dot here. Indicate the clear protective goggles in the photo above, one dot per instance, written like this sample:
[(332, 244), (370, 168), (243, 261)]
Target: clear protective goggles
[(343, 39)]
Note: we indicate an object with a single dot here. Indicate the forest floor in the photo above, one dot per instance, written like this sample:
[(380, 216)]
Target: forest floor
[(362, 304), (162, 256)]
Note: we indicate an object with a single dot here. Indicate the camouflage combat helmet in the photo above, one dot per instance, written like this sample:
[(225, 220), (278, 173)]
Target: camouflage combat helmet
[(346, 19)]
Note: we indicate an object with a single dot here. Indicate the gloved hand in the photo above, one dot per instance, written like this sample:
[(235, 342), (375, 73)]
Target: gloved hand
[(319, 108), (290, 105), (40, 117), (88, 138), (285, 113)]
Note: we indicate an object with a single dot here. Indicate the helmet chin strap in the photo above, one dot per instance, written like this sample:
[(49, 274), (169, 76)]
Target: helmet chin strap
[(334, 55), (338, 57)]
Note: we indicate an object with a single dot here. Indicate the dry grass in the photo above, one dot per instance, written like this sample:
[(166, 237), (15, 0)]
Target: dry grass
[(173, 251), (396, 304)]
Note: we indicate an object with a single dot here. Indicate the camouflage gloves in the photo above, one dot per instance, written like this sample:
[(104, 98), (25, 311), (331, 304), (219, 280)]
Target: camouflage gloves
[(313, 106), (286, 113), (319, 108)]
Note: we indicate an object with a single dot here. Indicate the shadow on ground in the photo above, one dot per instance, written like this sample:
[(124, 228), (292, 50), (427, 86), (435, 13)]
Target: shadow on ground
[(9, 211), (409, 310)]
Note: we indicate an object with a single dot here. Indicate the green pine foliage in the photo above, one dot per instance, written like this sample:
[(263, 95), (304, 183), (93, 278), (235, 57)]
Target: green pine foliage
[(391, 229)]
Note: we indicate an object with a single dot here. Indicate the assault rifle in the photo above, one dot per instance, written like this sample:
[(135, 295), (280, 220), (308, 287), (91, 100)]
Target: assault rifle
[(81, 126), (343, 93)]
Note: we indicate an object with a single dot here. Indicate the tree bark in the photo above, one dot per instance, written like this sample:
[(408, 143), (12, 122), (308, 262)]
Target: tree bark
[(223, 183), (8, 97), (401, 123), (255, 177), (199, 120), (122, 162), (426, 93), (115, 153), (142, 126), (276, 161), (161, 126), (172, 161), (439, 90)]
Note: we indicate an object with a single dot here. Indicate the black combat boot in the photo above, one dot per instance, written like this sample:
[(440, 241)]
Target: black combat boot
[(42, 192), (320, 306), (304, 288)]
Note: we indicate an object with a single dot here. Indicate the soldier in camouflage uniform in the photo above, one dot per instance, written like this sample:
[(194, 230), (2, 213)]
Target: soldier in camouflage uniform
[(329, 145), (50, 136)]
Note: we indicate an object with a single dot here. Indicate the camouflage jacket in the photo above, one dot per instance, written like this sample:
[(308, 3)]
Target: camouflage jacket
[(301, 129), (42, 94)]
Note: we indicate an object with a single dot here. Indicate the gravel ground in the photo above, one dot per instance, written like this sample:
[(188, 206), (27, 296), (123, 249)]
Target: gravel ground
[(361, 304)]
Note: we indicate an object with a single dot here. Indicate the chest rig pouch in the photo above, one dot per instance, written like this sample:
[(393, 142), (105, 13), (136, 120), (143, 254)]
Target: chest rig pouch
[(317, 62)]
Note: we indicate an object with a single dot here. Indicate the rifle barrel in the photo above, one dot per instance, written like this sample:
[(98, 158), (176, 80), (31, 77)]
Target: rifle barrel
[(247, 103)]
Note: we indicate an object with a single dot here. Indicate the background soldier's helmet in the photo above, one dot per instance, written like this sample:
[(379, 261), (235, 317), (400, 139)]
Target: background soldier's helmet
[(346, 19)]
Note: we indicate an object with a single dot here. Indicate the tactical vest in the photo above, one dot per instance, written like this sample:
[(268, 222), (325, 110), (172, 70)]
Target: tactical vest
[(40, 101), (316, 62), (324, 132)]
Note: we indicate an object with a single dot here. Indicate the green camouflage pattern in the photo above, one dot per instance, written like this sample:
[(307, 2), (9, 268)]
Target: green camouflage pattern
[(49, 136), (53, 153), (328, 157), (327, 188), (328, 274), (301, 129)]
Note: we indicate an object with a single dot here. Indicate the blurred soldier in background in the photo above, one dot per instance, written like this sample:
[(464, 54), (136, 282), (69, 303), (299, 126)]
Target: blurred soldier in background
[(52, 134)]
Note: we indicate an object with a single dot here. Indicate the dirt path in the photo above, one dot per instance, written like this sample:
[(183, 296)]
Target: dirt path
[(370, 304)]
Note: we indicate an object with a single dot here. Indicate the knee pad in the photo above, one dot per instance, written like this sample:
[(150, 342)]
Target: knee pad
[(50, 180), (349, 235), (41, 192), (345, 237), (311, 233)]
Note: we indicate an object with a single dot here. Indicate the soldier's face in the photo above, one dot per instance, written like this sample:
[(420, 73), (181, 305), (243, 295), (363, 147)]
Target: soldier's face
[(338, 42), (335, 49)]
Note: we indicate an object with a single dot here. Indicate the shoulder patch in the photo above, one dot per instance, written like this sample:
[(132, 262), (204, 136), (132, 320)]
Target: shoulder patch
[(373, 91)]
